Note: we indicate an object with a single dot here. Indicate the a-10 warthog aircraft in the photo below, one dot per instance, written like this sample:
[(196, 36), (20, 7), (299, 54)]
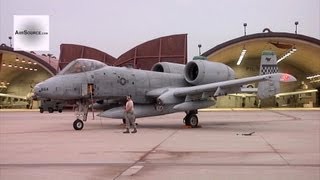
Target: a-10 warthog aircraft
[(167, 88)]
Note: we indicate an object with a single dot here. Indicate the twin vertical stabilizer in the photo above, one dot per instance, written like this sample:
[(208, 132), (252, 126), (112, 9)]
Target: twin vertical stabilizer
[(268, 65)]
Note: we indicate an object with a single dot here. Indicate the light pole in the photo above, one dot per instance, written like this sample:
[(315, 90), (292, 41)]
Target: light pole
[(296, 23), (199, 46), (10, 40), (49, 57), (245, 28)]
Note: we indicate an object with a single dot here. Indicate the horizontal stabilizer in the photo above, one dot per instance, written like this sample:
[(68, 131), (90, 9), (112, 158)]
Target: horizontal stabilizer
[(272, 86), (287, 78)]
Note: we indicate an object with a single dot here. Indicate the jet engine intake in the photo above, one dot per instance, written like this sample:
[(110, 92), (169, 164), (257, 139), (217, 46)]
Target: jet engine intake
[(199, 72), (167, 67)]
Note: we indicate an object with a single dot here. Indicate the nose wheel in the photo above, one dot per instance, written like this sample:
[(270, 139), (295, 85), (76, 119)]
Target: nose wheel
[(78, 124), (81, 114)]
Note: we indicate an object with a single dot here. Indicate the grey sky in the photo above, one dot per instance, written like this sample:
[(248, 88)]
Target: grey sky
[(115, 26)]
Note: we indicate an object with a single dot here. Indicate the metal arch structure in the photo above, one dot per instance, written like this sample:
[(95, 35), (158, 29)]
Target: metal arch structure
[(164, 49), (306, 58), (297, 54), (44, 62), (19, 72), (70, 52), (171, 48)]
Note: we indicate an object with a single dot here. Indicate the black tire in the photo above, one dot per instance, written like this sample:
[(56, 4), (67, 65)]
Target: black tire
[(50, 110), (193, 121), (60, 110), (78, 124), (41, 110), (186, 120)]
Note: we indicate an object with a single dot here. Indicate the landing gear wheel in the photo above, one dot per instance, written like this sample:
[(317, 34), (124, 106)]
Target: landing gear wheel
[(186, 120), (78, 124), (191, 120), (50, 110)]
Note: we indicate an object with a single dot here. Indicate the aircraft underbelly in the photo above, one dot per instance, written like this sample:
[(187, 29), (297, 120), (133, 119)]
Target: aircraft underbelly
[(139, 111)]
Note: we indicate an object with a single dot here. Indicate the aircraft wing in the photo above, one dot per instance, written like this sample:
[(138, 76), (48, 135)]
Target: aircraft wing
[(235, 83), (13, 96), (196, 97), (157, 92)]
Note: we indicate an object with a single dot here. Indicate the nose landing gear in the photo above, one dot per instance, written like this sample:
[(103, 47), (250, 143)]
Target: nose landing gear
[(82, 114), (78, 124)]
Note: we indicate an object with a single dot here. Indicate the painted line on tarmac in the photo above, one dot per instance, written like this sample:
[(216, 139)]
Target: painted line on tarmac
[(284, 114), (132, 170)]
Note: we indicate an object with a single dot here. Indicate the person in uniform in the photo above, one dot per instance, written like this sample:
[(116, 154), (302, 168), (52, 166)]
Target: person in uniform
[(129, 115)]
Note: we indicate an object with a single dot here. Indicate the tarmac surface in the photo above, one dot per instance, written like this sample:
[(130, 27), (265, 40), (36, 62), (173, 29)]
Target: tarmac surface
[(285, 145)]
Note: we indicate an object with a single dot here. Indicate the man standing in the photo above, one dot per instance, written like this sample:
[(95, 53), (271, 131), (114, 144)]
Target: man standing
[(129, 115)]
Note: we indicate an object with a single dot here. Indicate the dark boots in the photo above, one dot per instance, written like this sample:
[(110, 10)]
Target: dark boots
[(127, 130), (134, 130)]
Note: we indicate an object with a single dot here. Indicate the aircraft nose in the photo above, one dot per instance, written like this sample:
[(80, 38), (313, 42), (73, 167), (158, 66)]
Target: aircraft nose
[(37, 90)]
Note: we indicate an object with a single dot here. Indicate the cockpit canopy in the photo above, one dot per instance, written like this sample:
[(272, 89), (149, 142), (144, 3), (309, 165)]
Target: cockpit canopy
[(81, 65)]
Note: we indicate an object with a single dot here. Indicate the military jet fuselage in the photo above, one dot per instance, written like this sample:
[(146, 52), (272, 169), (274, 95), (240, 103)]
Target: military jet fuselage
[(168, 88), (108, 81)]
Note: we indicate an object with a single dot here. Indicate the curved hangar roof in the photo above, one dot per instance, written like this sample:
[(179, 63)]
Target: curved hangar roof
[(306, 58), (171, 48), (18, 68)]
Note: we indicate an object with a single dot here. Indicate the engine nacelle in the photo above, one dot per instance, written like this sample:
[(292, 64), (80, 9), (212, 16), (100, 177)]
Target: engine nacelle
[(168, 67), (198, 72)]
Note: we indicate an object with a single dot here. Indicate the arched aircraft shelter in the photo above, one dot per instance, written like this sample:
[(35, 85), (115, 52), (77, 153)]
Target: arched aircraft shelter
[(19, 72), (297, 54)]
